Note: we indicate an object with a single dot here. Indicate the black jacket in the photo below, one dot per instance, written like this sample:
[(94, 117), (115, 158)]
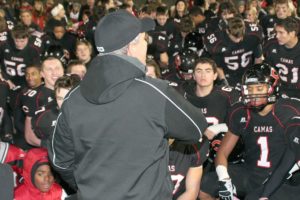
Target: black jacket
[(111, 133)]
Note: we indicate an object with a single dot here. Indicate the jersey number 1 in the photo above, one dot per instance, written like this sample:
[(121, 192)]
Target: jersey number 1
[(264, 152)]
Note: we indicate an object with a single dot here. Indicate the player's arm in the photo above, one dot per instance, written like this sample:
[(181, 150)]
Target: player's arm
[(258, 54), (192, 183), (164, 59), (30, 137), (228, 143)]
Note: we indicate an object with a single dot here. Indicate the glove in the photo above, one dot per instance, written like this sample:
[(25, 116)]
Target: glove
[(226, 190)]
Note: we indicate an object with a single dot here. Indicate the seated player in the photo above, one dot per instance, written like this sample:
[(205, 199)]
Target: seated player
[(260, 120)]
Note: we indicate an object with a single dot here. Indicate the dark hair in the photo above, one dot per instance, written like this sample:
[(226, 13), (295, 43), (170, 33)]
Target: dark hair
[(209, 61), (38, 67), (289, 24), (186, 25), (20, 31), (57, 23), (236, 27), (67, 81), (227, 6), (73, 63), (162, 10), (195, 11)]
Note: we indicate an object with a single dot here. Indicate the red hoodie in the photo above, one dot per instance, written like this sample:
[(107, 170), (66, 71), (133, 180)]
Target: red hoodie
[(27, 191)]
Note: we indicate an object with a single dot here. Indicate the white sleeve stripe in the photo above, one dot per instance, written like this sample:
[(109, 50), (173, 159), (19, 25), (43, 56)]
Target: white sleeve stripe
[(158, 90), (3, 151), (52, 143)]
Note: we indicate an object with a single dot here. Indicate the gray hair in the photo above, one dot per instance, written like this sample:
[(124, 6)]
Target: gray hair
[(123, 50)]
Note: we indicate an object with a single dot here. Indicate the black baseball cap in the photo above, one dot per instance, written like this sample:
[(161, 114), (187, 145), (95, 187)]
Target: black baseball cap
[(118, 29)]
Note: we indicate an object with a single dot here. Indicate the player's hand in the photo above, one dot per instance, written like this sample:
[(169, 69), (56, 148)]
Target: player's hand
[(227, 190), (263, 198)]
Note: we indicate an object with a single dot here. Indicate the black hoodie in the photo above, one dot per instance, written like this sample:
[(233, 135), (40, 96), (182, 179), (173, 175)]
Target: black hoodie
[(111, 134)]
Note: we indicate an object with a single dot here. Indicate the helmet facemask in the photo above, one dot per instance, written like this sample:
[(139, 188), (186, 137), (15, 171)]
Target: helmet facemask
[(261, 75)]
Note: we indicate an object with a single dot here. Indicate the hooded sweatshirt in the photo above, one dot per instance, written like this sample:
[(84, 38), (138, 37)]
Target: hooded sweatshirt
[(28, 191), (110, 137)]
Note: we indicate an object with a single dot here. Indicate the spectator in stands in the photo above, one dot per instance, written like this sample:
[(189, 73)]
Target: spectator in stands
[(84, 51), (39, 14), (27, 20), (58, 15)]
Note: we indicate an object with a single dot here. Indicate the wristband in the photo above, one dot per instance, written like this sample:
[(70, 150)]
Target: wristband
[(222, 172)]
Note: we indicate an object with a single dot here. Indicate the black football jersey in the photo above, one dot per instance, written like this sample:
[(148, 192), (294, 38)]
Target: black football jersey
[(13, 61), (293, 136), (169, 28), (34, 99), (287, 61), (3, 36), (44, 120), (268, 24), (234, 58), (263, 136), (214, 113), (158, 43), (183, 157), (175, 46)]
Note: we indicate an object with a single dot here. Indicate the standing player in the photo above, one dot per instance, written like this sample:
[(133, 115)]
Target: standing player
[(284, 53), (260, 121), (51, 70), (16, 55), (234, 49)]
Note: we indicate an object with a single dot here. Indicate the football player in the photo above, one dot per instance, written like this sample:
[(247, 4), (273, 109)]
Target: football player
[(234, 49), (185, 166), (184, 63), (260, 120), (283, 52), (282, 11), (51, 70), (203, 94), (16, 55), (43, 122), (284, 182)]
